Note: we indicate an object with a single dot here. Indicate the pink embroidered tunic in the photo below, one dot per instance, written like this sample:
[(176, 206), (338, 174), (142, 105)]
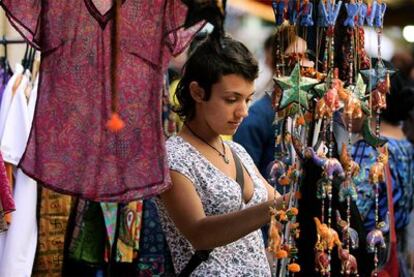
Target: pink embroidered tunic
[(69, 148)]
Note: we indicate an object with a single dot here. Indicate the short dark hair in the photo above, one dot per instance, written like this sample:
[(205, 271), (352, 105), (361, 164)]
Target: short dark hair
[(207, 64)]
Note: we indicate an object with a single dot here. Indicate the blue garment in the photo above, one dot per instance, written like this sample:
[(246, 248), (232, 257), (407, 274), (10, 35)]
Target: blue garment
[(401, 155), (256, 133), (154, 254)]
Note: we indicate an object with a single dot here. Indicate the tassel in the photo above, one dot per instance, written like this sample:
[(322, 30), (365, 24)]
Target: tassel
[(294, 267), (281, 254), (115, 123)]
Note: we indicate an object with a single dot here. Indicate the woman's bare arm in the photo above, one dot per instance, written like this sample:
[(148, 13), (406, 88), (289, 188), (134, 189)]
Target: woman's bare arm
[(206, 232)]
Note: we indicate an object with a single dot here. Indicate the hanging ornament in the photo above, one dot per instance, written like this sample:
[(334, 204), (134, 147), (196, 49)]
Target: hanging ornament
[(379, 12), (293, 9), (370, 137), (331, 166), (349, 264), (327, 237), (305, 14), (375, 238), (352, 10), (371, 9), (332, 10), (362, 13), (359, 88), (295, 89), (280, 9), (349, 235), (347, 188), (376, 75)]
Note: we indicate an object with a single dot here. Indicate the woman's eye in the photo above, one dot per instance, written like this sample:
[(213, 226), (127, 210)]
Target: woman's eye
[(231, 100)]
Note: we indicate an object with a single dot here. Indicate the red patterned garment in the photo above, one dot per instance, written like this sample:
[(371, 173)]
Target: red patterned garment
[(69, 149), (6, 198)]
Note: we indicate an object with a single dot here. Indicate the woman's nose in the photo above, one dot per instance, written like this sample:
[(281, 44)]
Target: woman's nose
[(243, 110)]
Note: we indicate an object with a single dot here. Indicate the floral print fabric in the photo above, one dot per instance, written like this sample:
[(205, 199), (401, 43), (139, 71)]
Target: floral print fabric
[(219, 195)]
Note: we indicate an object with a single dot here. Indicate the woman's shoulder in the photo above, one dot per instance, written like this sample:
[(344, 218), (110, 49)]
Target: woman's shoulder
[(239, 150), (237, 147), (177, 149)]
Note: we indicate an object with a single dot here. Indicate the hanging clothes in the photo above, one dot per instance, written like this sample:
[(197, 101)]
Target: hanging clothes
[(88, 238), (154, 255), (8, 96), (128, 238), (6, 198), (4, 79), (54, 210), (69, 148), (18, 245)]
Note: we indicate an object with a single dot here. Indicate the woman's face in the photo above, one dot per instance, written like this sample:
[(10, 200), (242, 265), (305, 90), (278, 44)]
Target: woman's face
[(228, 104)]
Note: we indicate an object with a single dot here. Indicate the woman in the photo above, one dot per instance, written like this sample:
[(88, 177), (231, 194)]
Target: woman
[(206, 208)]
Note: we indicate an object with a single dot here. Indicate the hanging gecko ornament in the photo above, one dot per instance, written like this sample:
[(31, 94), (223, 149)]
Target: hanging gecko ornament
[(352, 10), (379, 14), (280, 10), (305, 14), (371, 11)]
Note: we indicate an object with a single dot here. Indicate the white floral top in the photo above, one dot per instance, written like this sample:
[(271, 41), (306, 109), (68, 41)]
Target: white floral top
[(219, 194)]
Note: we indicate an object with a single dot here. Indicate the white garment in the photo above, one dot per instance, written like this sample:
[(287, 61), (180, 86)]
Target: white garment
[(32, 100), (7, 98), (16, 129), (18, 244)]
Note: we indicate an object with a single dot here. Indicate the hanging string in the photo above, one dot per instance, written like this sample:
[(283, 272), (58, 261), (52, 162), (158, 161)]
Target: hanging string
[(115, 123)]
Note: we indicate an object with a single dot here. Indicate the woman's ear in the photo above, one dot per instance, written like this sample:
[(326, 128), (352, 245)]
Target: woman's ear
[(197, 92)]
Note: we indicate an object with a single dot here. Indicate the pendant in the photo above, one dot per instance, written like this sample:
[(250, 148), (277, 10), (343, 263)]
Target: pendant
[(226, 160)]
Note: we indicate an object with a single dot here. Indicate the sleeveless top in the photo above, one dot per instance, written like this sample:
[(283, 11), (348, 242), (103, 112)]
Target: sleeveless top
[(219, 194), (69, 149)]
